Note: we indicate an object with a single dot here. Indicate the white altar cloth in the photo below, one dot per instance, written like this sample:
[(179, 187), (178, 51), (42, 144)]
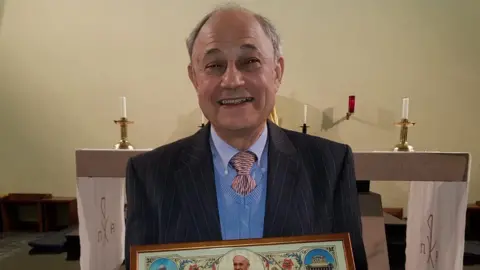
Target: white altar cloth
[(436, 225)]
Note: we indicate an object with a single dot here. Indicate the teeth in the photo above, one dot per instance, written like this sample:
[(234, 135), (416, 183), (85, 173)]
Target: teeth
[(235, 101)]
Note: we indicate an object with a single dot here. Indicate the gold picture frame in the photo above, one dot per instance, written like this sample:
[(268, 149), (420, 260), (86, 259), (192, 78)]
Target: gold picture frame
[(313, 252)]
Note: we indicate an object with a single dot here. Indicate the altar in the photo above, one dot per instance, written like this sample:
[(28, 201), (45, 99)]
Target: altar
[(101, 188)]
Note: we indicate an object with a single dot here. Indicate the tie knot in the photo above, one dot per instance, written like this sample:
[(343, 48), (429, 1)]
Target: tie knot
[(243, 161)]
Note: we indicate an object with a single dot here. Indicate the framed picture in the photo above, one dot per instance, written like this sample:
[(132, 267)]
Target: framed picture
[(315, 252)]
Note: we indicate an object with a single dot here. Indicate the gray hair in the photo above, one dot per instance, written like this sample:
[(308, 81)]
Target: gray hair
[(267, 26)]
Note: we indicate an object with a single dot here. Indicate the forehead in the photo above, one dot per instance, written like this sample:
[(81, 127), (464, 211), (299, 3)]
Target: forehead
[(229, 32)]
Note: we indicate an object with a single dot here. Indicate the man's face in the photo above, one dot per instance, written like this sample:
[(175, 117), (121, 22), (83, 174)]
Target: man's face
[(240, 263), (234, 71)]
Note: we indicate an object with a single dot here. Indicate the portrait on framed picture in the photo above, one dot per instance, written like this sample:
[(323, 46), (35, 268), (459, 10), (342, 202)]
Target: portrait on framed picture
[(319, 252)]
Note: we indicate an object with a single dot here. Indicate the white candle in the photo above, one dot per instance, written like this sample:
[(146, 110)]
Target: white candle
[(305, 114), (123, 101), (203, 119), (405, 108)]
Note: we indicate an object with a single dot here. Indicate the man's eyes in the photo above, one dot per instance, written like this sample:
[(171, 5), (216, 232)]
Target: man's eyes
[(248, 61), (211, 66), (252, 61)]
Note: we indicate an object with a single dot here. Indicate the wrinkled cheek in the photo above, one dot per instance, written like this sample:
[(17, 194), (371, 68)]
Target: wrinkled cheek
[(261, 101), (203, 95), (206, 104), (259, 104)]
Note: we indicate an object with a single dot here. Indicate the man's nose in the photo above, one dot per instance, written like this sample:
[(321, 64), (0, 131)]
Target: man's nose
[(232, 78)]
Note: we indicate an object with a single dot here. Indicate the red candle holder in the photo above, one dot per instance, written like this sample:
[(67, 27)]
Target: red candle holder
[(351, 107)]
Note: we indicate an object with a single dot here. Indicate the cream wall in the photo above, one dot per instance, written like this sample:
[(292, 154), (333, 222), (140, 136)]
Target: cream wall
[(63, 65)]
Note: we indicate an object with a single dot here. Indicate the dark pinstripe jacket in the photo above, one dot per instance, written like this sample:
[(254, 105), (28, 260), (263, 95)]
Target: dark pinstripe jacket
[(311, 190)]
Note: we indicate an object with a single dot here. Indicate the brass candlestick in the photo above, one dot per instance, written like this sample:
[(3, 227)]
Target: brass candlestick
[(403, 146), (304, 128), (123, 143)]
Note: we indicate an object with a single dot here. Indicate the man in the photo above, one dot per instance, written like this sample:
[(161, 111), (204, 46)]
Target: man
[(240, 263), (241, 176)]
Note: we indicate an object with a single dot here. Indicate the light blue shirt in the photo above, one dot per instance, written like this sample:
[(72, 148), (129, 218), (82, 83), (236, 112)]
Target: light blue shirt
[(241, 217)]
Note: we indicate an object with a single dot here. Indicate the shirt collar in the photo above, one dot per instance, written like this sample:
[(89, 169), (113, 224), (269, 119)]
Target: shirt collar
[(226, 151)]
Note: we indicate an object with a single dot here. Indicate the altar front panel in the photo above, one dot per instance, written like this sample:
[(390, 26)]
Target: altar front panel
[(436, 225), (101, 201), (101, 222)]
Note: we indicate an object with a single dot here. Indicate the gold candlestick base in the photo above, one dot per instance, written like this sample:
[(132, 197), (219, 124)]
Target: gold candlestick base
[(123, 143), (403, 145)]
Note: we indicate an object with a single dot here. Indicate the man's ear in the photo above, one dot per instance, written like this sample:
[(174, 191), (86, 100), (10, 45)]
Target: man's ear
[(279, 68), (192, 76)]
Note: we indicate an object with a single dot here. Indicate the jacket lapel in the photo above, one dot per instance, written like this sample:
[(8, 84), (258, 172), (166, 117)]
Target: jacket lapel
[(288, 208), (196, 183)]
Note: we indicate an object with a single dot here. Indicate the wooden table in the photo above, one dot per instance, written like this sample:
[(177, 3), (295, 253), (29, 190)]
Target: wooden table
[(46, 206), (11, 203), (1, 219), (50, 209), (393, 220), (472, 233)]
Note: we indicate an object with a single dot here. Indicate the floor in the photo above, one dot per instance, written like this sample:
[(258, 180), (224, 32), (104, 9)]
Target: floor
[(14, 255)]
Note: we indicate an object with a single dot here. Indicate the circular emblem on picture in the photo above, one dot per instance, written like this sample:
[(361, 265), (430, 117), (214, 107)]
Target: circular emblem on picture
[(163, 264), (319, 259)]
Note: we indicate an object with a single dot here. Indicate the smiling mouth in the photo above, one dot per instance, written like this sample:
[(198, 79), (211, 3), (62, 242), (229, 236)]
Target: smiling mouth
[(235, 101)]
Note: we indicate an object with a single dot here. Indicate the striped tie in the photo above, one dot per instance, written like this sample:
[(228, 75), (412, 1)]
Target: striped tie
[(242, 162)]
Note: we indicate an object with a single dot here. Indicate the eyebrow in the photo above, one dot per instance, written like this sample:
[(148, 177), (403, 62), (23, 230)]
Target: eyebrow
[(246, 47)]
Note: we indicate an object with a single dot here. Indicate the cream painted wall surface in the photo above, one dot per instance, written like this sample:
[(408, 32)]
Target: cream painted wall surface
[(64, 64)]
